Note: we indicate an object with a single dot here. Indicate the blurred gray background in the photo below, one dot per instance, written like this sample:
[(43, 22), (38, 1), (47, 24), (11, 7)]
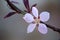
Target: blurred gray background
[(14, 27)]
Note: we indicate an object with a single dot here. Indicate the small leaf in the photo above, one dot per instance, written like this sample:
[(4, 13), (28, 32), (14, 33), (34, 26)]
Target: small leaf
[(34, 5), (14, 2), (13, 7), (26, 3), (10, 14)]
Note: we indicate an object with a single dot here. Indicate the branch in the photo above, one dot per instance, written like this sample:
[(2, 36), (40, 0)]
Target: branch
[(52, 27)]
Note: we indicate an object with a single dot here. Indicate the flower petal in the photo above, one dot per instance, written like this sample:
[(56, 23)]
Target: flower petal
[(44, 16), (31, 28), (35, 11), (42, 28), (28, 18)]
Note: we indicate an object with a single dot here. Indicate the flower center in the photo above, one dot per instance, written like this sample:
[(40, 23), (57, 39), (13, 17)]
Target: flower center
[(37, 21)]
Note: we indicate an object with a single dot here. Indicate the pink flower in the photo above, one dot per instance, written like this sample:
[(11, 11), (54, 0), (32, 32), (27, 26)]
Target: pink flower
[(34, 19)]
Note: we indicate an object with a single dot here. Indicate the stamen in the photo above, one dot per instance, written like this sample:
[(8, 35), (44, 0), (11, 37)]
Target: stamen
[(37, 21), (38, 17), (34, 17)]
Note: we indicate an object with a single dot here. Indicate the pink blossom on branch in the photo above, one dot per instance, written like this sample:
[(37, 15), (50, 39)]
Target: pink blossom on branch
[(33, 22)]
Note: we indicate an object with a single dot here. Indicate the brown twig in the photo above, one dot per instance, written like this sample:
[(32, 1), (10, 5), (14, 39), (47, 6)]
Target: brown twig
[(52, 27)]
